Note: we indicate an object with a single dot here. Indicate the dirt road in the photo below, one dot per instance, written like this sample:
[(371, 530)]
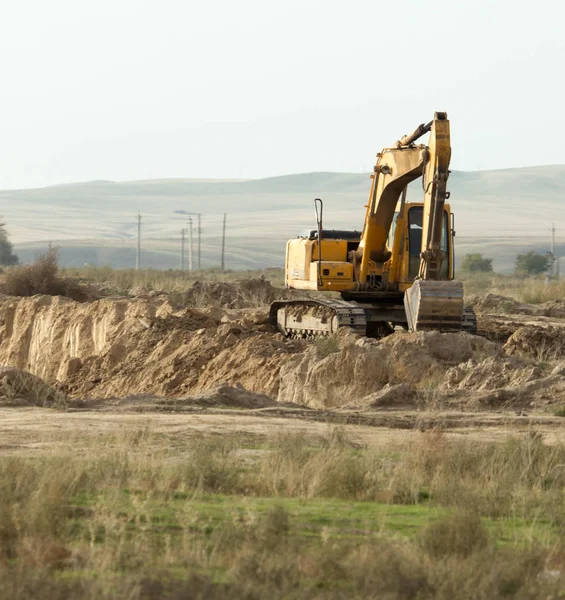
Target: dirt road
[(34, 431)]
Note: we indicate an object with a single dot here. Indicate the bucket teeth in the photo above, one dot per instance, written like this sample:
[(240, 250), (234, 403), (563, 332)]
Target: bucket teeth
[(431, 304)]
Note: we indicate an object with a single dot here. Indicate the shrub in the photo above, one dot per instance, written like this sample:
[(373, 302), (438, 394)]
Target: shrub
[(475, 263), (459, 535), (532, 263), (326, 345), (42, 278), (7, 256)]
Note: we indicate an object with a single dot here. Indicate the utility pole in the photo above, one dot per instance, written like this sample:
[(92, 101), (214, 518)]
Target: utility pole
[(553, 257), (138, 256), (182, 249), (199, 240), (190, 244), (223, 244)]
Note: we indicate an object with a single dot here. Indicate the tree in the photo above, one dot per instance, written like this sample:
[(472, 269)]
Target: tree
[(532, 263), (7, 256), (475, 263)]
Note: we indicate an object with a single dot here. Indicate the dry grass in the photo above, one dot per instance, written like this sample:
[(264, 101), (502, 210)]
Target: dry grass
[(42, 277), (531, 290), (121, 281), (326, 345), (19, 387), (136, 520)]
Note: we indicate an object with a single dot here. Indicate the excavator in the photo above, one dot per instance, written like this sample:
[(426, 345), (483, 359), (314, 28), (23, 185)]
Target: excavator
[(399, 270)]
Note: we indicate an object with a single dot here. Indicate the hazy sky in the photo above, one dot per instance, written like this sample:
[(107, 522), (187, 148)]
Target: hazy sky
[(134, 89)]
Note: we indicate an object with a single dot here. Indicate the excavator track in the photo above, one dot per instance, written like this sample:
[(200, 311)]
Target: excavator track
[(470, 321), (308, 319)]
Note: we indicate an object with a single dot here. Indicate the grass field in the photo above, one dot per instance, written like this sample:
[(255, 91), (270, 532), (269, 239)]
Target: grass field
[(141, 515)]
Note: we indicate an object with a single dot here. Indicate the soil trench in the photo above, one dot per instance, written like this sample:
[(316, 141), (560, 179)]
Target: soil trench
[(225, 354)]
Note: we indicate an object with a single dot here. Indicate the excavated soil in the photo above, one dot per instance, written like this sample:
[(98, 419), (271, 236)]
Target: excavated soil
[(121, 350)]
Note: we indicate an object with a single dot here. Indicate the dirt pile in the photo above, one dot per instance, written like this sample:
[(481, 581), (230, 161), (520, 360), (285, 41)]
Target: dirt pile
[(186, 354), (497, 303), (362, 367), (397, 395), (539, 342), (115, 348), (47, 335), (19, 387), (507, 305), (231, 397), (499, 317), (491, 373)]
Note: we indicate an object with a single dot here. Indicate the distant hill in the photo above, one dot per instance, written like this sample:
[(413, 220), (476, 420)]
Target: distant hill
[(499, 213)]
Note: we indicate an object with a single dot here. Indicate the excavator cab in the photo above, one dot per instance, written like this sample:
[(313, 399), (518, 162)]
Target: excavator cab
[(411, 249)]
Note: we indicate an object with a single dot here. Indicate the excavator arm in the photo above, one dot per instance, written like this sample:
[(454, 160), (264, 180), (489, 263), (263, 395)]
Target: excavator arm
[(434, 184), (395, 169), (432, 303), (429, 303)]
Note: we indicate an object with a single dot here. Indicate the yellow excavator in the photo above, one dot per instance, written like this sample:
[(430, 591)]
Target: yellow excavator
[(399, 270)]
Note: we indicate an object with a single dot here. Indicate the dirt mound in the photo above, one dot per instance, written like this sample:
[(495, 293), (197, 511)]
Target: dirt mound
[(491, 373), (231, 397), (496, 303), (115, 348), (363, 367), (19, 387), (507, 305), (554, 309), (401, 394), (542, 343), (185, 353), (187, 320), (419, 352)]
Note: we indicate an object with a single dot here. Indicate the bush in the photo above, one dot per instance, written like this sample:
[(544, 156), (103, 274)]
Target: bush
[(7, 256), (460, 535), (532, 263), (475, 263), (42, 278), (326, 345)]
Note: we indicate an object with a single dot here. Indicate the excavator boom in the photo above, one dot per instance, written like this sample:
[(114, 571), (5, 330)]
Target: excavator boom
[(432, 303)]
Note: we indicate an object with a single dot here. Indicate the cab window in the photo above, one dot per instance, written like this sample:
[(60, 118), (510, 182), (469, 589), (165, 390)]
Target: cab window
[(415, 216)]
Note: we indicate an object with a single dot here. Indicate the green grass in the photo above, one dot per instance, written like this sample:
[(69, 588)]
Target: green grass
[(327, 518), (290, 516)]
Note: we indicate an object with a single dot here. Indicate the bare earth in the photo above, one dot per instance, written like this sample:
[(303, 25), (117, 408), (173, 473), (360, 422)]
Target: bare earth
[(32, 431), (119, 364)]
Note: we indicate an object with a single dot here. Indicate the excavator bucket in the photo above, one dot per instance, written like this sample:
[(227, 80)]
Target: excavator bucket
[(432, 304)]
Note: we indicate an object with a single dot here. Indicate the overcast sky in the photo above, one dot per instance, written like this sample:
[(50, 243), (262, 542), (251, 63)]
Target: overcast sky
[(134, 89)]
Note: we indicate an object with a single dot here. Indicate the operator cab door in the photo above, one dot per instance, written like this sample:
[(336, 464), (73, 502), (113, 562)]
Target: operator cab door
[(415, 216)]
